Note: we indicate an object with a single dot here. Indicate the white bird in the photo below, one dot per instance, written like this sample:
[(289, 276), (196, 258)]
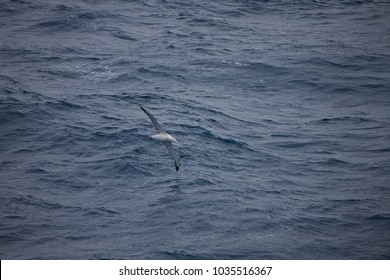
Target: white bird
[(165, 137)]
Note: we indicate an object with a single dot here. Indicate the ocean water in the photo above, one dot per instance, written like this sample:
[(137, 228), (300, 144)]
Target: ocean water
[(282, 110)]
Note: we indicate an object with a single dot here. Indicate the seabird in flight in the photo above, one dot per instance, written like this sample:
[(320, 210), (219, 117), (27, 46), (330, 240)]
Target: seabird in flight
[(165, 137)]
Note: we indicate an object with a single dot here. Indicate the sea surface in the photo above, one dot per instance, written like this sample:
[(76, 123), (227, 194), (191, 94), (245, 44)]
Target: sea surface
[(281, 108)]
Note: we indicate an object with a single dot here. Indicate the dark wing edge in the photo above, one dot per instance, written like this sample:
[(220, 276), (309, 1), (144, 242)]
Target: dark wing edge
[(173, 153), (153, 119)]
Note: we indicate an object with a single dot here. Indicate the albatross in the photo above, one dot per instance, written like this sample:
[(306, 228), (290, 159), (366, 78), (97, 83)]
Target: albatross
[(162, 135)]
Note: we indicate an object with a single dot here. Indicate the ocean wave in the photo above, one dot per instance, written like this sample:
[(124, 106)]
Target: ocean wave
[(341, 120)]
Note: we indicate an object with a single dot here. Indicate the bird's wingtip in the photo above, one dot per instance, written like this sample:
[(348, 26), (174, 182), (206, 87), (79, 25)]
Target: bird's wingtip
[(143, 109)]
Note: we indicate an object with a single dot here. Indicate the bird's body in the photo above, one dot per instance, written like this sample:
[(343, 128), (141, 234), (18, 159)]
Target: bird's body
[(164, 137)]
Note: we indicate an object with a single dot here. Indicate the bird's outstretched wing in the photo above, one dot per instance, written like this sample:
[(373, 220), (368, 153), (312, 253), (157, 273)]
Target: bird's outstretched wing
[(154, 121), (173, 153)]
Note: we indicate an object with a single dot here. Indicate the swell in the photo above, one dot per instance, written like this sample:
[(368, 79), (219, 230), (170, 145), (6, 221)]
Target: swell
[(343, 120), (39, 204)]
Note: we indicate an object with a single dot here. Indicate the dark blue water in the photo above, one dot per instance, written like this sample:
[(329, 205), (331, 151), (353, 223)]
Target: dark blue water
[(282, 109)]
